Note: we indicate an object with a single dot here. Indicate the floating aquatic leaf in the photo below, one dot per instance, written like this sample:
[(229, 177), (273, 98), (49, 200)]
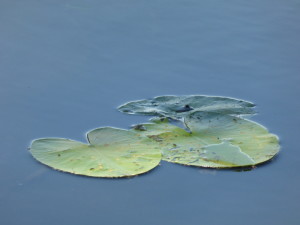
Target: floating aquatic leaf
[(177, 107), (216, 140), (214, 137), (111, 152)]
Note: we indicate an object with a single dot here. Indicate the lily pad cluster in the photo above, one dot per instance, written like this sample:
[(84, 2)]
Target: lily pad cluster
[(214, 134)]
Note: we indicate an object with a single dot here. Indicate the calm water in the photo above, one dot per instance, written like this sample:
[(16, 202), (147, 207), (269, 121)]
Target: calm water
[(65, 65)]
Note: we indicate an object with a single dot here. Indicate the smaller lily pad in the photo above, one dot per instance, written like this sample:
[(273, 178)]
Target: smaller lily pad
[(111, 152), (178, 107)]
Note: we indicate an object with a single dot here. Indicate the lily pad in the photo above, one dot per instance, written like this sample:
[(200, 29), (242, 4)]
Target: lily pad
[(216, 140), (178, 107), (111, 152)]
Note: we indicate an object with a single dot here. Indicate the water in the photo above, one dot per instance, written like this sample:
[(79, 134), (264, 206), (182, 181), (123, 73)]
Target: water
[(66, 65)]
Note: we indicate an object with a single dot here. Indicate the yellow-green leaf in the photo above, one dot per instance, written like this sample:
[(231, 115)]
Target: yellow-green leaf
[(111, 152), (216, 140)]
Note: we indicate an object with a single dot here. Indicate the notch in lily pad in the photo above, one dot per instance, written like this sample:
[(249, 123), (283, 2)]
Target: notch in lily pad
[(110, 152)]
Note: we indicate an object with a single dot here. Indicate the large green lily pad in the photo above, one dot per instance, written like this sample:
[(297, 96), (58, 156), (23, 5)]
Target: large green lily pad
[(111, 152), (216, 140), (177, 107)]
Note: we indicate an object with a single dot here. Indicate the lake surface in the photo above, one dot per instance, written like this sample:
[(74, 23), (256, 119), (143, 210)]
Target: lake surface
[(66, 65)]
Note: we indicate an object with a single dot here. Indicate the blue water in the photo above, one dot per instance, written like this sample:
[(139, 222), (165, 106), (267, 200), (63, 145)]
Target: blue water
[(65, 65)]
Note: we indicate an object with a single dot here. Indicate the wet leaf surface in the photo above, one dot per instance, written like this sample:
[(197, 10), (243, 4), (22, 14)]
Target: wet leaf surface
[(216, 140), (111, 152), (177, 107), (213, 135)]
